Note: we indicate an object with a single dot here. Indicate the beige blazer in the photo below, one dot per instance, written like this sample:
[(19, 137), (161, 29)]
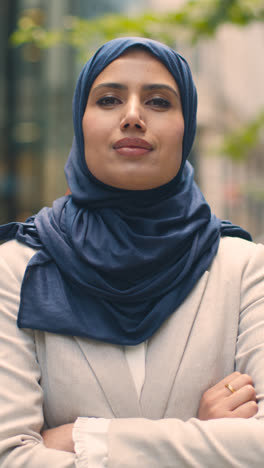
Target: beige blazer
[(49, 379)]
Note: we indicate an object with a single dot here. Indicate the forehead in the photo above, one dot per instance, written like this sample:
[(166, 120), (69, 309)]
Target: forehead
[(138, 66)]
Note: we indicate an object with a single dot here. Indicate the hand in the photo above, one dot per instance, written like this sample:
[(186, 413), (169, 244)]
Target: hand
[(59, 438), (219, 402)]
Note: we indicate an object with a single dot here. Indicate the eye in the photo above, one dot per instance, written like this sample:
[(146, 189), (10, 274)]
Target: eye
[(108, 101), (159, 102)]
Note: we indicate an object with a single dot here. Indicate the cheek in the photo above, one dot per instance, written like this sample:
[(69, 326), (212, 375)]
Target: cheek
[(179, 131), (174, 147), (175, 137), (96, 129), (89, 128), (89, 138), (92, 136)]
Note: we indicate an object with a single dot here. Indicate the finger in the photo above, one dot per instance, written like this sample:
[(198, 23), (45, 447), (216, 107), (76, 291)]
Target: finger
[(221, 385), (247, 410), (240, 397), (219, 393), (238, 382)]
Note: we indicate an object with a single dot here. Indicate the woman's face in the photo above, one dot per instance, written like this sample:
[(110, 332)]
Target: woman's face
[(133, 124)]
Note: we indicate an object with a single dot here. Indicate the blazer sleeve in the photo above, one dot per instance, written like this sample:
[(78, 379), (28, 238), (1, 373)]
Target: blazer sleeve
[(220, 442), (21, 415)]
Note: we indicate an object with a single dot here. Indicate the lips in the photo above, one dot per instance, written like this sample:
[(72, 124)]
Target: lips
[(133, 143), (132, 147)]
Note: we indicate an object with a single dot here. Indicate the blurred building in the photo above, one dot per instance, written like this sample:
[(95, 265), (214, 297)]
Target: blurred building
[(229, 74), (36, 89), (230, 78)]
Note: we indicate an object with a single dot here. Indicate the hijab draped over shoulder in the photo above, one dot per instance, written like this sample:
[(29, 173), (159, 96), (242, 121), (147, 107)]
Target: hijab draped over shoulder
[(114, 264)]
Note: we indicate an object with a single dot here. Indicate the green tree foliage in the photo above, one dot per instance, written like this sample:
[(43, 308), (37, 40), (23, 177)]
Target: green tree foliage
[(195, 20), (239, 143)]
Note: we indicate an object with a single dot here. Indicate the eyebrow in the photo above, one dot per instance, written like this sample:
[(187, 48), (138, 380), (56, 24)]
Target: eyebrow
[(146, 87), (158, 86)]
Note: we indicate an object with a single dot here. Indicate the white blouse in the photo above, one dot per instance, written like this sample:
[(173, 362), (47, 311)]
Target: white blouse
[(90, 434)]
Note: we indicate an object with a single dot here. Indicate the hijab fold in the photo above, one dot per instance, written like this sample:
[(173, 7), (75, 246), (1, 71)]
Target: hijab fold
[(114, 264)]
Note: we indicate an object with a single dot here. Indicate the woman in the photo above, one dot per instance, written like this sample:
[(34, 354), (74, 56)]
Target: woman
[(132, 322)]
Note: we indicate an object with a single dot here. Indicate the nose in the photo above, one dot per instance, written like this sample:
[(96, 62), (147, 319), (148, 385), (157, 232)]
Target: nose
[(132, 117)]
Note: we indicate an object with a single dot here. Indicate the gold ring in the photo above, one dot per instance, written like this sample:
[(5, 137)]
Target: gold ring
[(229, 386)]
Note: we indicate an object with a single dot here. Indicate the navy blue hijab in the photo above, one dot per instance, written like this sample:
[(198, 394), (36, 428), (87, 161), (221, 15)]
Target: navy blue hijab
[(114, 264)]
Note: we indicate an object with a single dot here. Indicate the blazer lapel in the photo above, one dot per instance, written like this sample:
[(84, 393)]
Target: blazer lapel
[(110, 366), (165, 351)]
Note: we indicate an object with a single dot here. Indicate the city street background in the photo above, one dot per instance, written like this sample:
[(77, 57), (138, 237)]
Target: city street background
[(36, 89)]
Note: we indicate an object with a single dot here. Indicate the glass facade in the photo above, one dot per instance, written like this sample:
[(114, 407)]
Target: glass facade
[(36, 89)]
